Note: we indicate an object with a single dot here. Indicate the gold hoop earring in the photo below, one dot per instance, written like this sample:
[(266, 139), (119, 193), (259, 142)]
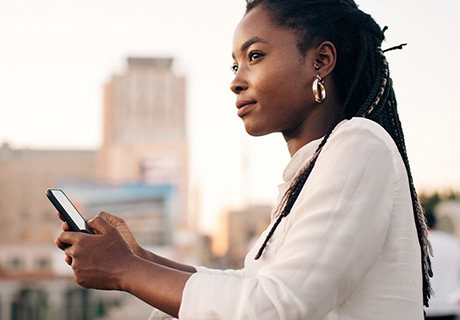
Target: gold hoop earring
[(319, 90)]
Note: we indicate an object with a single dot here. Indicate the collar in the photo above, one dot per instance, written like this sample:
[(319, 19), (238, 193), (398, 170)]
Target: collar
[(300, 159)]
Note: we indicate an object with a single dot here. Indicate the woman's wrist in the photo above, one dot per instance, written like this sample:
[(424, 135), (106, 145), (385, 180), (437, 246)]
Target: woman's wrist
[(155, 284), (152, 257), (133, 267)]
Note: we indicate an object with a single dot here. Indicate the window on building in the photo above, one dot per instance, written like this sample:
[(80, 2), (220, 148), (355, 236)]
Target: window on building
[(16, 264), (43, 263)]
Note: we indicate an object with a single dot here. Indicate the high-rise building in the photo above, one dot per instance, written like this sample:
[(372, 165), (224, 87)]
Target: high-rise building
[(145, 128), (139, 173)]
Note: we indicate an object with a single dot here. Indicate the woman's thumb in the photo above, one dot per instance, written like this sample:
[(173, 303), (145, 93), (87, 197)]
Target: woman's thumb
[(100, 225)]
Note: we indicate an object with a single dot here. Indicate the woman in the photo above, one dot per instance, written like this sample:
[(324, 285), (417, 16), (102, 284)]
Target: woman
[(347, 239)]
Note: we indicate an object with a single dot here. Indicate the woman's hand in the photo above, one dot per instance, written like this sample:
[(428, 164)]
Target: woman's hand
[(111, 259), (123, 228), (115, 221), (99, 261)]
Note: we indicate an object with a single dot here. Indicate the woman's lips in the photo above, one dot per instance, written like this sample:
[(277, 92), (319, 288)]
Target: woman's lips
[(244, 106)]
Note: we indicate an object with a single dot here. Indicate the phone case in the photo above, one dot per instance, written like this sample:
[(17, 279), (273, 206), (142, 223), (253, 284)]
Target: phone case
[(69, 217)]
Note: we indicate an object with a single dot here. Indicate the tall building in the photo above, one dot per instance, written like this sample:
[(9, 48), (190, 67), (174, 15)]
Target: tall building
[(139, 173), (145, 128)]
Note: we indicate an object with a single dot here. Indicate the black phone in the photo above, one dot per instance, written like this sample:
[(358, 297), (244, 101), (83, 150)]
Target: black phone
[(68, 211)]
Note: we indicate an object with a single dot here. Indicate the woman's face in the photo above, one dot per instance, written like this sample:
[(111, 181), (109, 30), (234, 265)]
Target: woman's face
[(273, 79)]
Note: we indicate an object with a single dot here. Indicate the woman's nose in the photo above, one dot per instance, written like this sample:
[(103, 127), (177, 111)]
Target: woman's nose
[(238, 84)]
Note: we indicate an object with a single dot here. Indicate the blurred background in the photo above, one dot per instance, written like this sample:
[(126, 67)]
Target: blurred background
[(126, 106)]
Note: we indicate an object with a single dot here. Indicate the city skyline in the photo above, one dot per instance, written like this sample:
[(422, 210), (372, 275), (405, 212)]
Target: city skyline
[(57, 56)]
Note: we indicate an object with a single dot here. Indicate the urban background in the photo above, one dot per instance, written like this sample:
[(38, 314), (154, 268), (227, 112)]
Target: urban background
[(139, 173), (126, 107)]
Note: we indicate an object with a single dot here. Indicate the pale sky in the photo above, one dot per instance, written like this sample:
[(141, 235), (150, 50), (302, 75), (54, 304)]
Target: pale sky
[(55, 56)]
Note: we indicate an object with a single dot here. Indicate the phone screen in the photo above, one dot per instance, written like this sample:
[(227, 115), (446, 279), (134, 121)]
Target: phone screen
[(68, 208)]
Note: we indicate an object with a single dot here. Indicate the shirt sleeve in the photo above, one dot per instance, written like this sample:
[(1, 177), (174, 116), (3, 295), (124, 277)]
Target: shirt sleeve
[(238, 273), (324, 248)]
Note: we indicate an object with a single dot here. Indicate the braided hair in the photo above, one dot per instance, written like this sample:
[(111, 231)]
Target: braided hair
[(365, 90)]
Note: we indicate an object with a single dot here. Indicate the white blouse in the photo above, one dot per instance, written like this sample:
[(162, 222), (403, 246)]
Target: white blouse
[(348, 250)]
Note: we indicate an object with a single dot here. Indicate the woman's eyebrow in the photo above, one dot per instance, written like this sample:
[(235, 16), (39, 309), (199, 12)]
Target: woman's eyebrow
[(249, 43)]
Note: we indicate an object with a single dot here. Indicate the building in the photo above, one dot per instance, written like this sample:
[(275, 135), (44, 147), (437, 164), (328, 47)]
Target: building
[(147, 209), (239, 230), (145, 132), (26, 216), (28, 257), (140, 173), (35, 282)]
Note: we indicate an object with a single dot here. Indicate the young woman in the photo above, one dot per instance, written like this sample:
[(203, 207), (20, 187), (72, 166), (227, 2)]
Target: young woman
[(348, 238)]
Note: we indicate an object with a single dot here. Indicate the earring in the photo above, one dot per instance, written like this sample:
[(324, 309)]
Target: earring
[(319, 90)]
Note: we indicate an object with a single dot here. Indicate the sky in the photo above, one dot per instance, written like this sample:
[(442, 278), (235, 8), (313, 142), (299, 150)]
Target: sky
[(55, 57)]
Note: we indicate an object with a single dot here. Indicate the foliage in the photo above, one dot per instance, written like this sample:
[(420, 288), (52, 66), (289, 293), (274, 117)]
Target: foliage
[(430, 200)]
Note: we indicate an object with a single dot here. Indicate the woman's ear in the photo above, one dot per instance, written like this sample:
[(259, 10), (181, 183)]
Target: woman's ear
[(325, 58)]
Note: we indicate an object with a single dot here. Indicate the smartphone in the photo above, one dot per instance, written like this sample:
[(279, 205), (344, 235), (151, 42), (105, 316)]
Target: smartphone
[(68, 211)]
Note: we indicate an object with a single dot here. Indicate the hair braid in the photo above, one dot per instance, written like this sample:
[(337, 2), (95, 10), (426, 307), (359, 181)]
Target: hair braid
[(392, 124), (379, 94), (366, 90), (359, 70)]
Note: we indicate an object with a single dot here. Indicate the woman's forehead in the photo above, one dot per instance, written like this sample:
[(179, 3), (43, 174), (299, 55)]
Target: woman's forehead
[(255, 27)]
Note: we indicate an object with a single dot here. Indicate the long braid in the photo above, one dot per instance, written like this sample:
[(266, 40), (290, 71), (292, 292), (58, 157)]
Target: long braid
[(386, 101), (384, 111), (367, 89)]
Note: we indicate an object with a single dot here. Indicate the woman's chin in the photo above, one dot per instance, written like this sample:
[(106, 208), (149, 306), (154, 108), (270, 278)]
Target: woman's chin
[(256, 131)]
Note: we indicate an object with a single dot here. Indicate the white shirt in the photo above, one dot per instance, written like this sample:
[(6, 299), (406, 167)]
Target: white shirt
[(446, 274), (348, 250)]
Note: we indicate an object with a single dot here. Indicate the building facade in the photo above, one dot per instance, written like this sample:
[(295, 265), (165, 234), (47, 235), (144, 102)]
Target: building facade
[(31, 287), (26, 216), (239, 230), (145, 131), (139, 172)]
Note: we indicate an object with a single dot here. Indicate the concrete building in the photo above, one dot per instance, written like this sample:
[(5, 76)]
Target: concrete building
[(145, 132), (140, 173), (239, 229), (52, 297), (35, 282), (26, 216), (31, 285)]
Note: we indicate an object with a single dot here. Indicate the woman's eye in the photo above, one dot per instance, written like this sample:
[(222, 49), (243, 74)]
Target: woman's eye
[(254, 55), (234, 68)]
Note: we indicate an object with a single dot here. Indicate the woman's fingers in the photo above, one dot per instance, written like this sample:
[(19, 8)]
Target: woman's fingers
[(65, 226), (68, 260)]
